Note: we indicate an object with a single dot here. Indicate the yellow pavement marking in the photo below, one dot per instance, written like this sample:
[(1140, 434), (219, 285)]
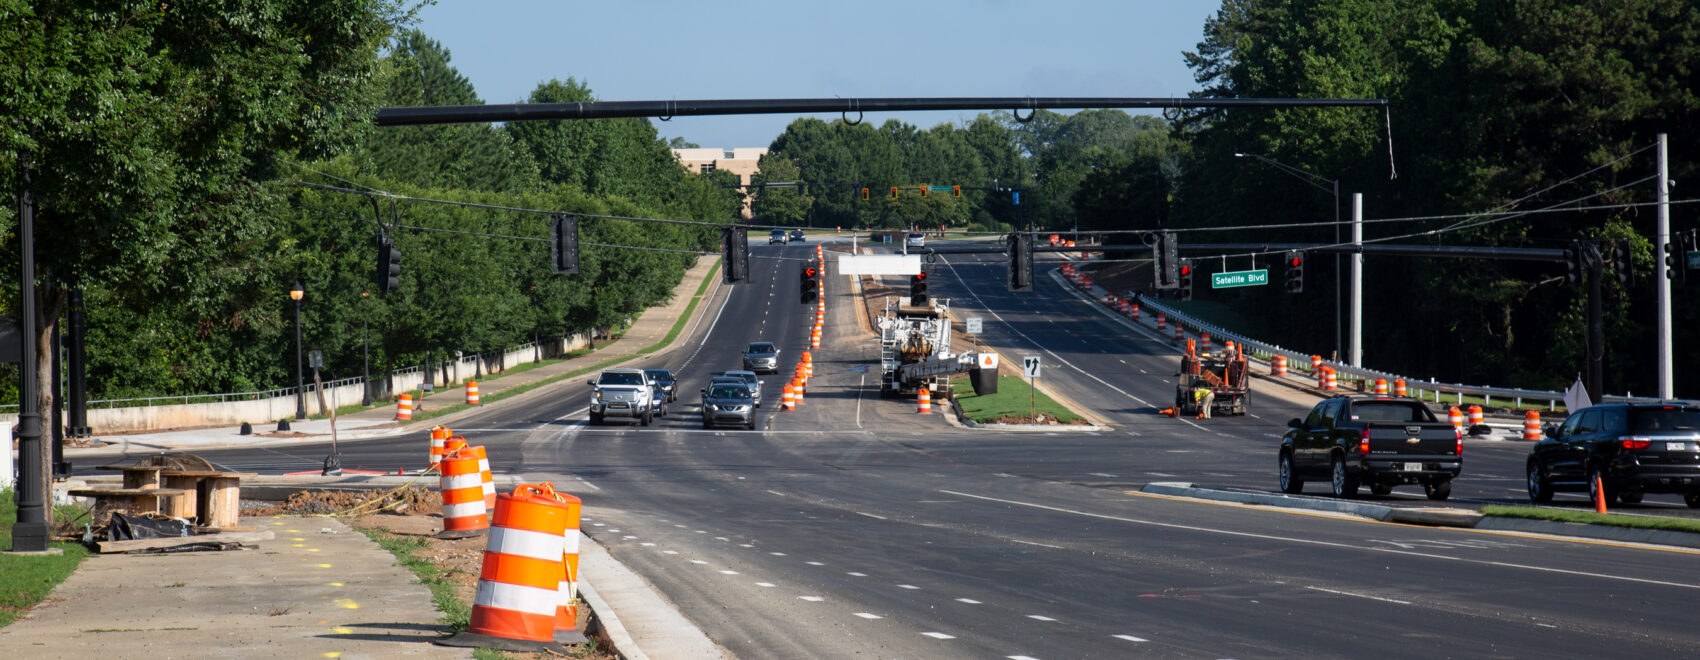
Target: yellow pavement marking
[(333, 584), (322, 565)]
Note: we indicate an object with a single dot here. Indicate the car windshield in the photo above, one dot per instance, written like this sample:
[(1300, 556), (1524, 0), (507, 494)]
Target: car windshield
[(1663, 420), (760, 347), (747, 378), (1390, 411), (728, 392), (658, 374), (621, 379), (777, 232)]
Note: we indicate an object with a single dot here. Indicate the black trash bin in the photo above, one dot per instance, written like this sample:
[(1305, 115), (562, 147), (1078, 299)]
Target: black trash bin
[(985, 381)]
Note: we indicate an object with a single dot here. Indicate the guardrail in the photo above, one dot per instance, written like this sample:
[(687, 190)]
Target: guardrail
[(1299, 361)]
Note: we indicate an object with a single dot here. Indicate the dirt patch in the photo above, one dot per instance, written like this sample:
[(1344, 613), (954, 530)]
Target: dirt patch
[(1041, 419)]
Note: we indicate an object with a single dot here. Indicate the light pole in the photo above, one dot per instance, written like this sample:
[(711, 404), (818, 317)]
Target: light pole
[(295, 293), (1332, 187), (365, 352)]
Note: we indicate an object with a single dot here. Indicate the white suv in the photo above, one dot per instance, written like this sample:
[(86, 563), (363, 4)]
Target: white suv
[(623, 393)]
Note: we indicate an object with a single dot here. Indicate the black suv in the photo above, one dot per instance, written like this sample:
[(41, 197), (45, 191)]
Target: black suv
[(1632, 448)]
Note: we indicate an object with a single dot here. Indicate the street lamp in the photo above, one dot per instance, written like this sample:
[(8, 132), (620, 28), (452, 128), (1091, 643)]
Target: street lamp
[(366, 352), (295, 293), (1333, 187)]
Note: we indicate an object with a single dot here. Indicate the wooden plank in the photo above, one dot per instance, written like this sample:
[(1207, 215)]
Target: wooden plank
[(148, 544)]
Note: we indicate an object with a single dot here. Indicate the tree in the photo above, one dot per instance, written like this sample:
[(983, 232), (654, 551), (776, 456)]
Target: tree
[(779, 206)]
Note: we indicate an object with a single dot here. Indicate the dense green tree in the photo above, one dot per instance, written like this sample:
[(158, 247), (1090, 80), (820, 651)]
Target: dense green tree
[(779, 206)]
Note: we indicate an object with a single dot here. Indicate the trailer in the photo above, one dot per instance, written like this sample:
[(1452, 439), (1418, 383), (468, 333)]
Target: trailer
[(1224, 372)]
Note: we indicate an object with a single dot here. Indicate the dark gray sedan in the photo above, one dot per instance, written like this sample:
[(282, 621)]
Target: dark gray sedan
[(728, 402), (761, 356)]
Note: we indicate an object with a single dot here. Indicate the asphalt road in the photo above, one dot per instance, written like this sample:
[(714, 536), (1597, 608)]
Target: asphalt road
[(854, 527)]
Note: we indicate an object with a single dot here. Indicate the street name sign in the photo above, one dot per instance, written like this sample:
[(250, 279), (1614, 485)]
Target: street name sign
[(1239, 278)]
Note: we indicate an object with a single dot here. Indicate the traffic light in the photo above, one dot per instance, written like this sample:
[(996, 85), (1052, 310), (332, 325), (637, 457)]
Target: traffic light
[(923, 192), (956, 191), (1020, 263), (811, 284), (864, 194), (1166, 254), (734, 254), (1185, 281), (1573, 263), (563, 244), (1676, 266), (1295, 261), (894, 192), (1620, 262), (918, 289), (389, 265)]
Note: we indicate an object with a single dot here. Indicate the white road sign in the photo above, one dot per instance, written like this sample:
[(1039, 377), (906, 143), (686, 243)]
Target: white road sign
[(1030, 366), (974, 325)]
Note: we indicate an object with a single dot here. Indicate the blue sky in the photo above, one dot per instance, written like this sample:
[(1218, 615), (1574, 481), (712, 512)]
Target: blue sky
[(635, 50)]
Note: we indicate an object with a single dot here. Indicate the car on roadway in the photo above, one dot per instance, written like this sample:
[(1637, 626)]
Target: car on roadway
[(727, 401), (761, 356), (776, 236), (1630, 448), (915, 239), (750, 380), (797, 236), (1380, 442), (665, 384), (623, 393)]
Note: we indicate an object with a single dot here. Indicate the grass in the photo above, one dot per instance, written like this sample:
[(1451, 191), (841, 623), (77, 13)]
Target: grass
[(1012, 400), (24, 581), (1591, 518)]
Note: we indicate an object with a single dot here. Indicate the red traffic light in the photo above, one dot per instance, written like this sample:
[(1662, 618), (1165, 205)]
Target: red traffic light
[(920, 276), (808, 272), (1186, 270), (1298, 261)]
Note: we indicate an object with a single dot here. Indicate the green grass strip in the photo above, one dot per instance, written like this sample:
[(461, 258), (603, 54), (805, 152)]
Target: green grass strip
[(1591, 518), (1012, 399), (24, 581)]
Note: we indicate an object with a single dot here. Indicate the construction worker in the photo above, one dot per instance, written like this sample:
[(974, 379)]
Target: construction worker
[(1203, 397)]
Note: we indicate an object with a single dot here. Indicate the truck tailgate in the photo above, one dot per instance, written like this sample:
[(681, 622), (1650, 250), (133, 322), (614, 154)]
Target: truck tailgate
[(1412, 439)]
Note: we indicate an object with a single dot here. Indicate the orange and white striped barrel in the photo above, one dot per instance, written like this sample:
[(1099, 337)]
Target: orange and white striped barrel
[(566, 614), (485, 476), (1135, 311), (1278, 365), (797, 390), (1228, 346), (1381, 386), (1475, 415), (439, 433), (404, 407), (462, 485), (1532, 426), (924, 401), (1333, 381), (1399, 387), (814, 338), (472, 392), (787, 398), (519, 588), (1316, 364), (1162, 321), (1204, 342), (1456, 417), (1180, 333)]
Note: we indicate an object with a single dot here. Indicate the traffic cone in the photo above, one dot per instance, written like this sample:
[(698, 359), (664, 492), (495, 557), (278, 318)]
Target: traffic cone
[(462, 489), (439, 433), (518, 596), (924, 401), (787, 398)]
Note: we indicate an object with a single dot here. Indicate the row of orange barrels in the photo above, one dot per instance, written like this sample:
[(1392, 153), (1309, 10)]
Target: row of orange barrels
[(404, 402), (527, 595)]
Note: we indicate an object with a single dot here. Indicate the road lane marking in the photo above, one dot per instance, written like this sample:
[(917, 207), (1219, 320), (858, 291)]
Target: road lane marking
[(869, 615), (1349, 546), (861, 513), (1130, 638), (1358, 595), (939, 635), (1040, 617), (907, 586), (1042, 545), (812, 599)]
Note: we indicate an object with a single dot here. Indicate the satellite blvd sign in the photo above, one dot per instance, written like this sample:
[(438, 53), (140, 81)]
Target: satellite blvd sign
[(1239, 278)]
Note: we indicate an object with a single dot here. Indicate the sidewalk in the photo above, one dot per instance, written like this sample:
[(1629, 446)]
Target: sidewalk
[(318, 588)]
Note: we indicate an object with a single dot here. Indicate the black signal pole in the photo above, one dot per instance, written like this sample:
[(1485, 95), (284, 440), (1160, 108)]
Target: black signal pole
[(30, 532)]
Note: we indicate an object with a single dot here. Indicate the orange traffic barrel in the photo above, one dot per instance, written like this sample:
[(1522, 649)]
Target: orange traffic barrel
[(1333, 382), (1278, 365), (1532, 426), (1399, 387), (787, 400), (1381, 386), (472, 392), (566, 614), (1475, 415), (814, 339), (404, 407), (485, 476), (1456, 417), (439, 433), (1204, 341), (924, 401), (797, 390), (1316, 363), (1180, 333), (462, 486), (1162, 321), (518, 597), (1135, 311)]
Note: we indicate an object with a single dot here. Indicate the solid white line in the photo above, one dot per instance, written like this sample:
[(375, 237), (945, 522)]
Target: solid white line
[(859, 513), (860, 385), (869, 615), (1130, 638), (1042, 545), (1355, 595), (1329, 544)]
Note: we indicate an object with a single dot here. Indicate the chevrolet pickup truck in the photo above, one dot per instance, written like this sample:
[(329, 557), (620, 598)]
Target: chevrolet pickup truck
[(1380, 441)]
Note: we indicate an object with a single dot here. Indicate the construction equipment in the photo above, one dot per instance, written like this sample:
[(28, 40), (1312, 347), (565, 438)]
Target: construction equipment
[(1224, 373), (915, 349)]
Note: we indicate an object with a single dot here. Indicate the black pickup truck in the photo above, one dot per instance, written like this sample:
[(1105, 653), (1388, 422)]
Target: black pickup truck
[(1381, 441)]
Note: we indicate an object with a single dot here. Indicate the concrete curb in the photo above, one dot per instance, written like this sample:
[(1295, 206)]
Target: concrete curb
[(1601, 532)]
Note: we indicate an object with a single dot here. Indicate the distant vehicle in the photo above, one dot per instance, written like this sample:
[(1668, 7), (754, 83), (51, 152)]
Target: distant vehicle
[(797, 235), (750, 380), (762, 356), (664, 384), (776, 236), (915, 240), (727, 401), (623, 393), (1224, 373), (1381, 441), (1632, 448)]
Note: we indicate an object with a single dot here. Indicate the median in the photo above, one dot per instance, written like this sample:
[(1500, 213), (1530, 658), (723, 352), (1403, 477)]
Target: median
[(1015, 403)]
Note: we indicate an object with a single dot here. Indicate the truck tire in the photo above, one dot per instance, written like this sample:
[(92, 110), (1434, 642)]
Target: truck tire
[(1540, 488), (595, 419), (648, 416), (1290, 481), (1439, 489), (1344, 483)]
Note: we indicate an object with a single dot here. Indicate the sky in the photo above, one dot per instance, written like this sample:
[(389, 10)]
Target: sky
[(655, 50)]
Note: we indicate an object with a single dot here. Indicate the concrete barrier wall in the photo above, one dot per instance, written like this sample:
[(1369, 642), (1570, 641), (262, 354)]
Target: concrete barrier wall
[(265, 411)]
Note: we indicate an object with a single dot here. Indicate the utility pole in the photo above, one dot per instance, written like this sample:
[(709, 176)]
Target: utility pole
[(1357, 347), (1662, 273), (1592, 263)]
